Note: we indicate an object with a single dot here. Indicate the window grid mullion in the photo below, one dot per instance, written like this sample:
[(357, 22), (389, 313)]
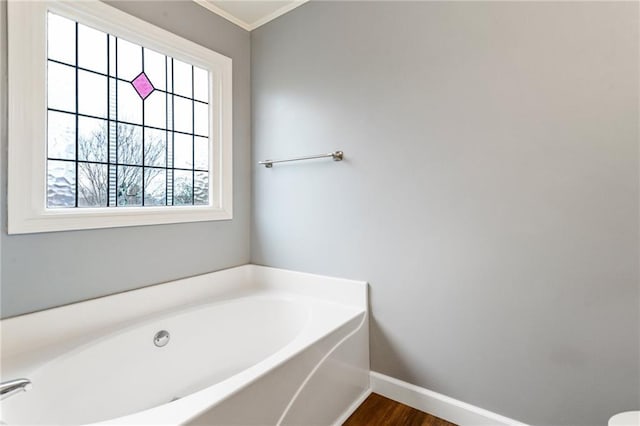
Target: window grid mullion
[(108, 122), (193, 138), (166, 133), (117, 126), (173, 138), (143, 159), (121, 164), (77, 118)]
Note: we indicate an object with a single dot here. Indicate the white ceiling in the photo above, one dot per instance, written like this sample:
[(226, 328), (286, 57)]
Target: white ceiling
[(250, 14)]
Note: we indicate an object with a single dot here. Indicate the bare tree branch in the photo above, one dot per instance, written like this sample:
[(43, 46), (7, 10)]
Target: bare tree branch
[(93, 178)]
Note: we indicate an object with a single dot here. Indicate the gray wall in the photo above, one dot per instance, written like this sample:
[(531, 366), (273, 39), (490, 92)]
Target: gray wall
[(489, 193), (44, 270)]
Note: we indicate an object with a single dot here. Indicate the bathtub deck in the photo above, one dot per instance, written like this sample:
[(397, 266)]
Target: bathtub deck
[(377, 410)]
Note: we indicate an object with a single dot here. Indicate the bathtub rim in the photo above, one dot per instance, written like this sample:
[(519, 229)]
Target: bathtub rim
[(55, 331)]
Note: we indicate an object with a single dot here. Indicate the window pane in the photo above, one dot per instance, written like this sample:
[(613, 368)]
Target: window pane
[(182, 151), (182, 79), (92, 94), (201, 189), (201, 151), (155, 110), (155, 190), (61, 39), (129, 60), (92, 49), (112, 146), (112, 56), (200, 84), (155, 147), (61, 135), (183, 114), (61, 184), (182, 187), (154, 67), (129, 104), (129, 186), (129, 144), (61, 87), (92, 185), (169, 186), (126, 141), (92, 139), (201, 119)]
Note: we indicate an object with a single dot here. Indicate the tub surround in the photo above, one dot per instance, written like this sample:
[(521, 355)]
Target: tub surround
[(324, 353)]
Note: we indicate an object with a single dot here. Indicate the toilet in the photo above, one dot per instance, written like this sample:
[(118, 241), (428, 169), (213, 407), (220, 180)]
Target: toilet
[(628, 418)]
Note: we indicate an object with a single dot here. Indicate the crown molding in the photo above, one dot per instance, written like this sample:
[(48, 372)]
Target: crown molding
[(278, 13), (245, 25), (226, 15)]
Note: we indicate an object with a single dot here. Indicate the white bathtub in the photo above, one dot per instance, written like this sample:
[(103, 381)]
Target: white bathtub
[(248, 346)]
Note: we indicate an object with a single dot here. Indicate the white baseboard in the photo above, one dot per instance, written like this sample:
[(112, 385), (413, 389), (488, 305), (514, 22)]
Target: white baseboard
[(353, 407), (439, 405)]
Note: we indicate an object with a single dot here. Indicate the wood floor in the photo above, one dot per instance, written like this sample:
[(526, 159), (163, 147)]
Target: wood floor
[(377, 410)]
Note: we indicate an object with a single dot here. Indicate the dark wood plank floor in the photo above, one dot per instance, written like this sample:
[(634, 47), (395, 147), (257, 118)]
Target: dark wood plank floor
[(377, 410)]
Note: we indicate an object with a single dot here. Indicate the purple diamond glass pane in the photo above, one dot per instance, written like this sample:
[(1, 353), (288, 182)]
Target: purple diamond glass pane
[(142, 85)]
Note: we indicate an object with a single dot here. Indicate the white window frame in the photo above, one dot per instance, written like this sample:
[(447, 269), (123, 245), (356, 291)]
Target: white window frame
[(27, 97)]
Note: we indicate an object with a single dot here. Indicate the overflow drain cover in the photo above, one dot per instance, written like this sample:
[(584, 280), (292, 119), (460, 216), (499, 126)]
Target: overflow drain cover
[(161, 338)]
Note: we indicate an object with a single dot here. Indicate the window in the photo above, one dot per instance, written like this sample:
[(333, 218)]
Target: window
[(113, 122)]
